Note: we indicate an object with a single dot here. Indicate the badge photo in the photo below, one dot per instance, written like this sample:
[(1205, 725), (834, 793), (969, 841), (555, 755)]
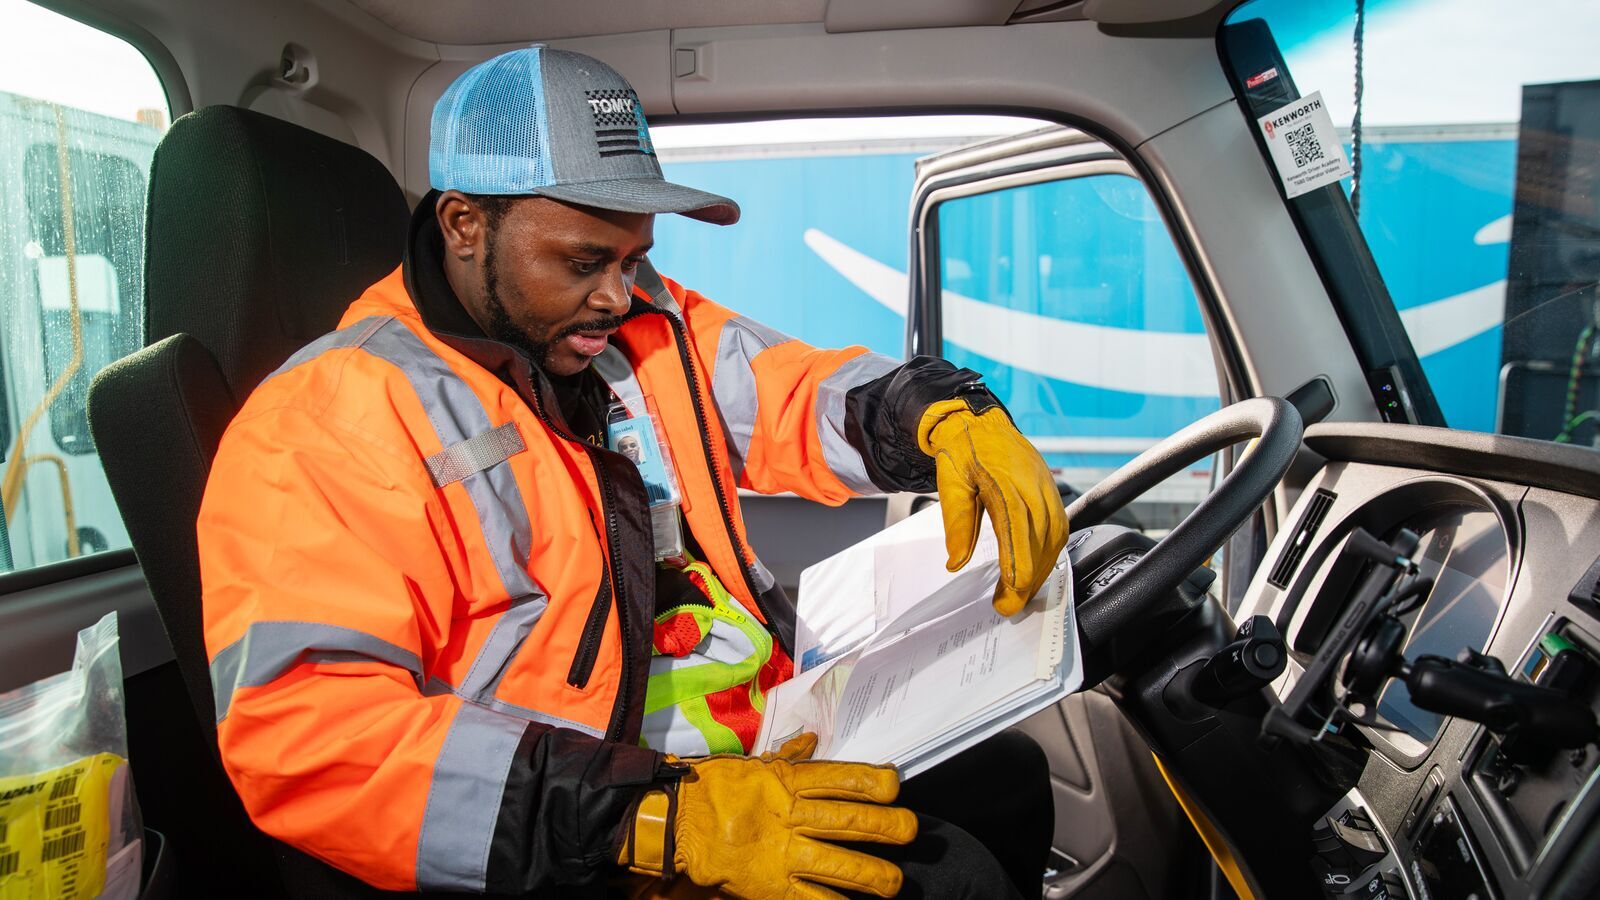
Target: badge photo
[(635, 438)]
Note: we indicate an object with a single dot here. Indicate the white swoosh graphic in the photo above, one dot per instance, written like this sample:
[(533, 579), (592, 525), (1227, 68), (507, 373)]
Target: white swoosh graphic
[(1496, 232), (1445, 323), (1158, 363)]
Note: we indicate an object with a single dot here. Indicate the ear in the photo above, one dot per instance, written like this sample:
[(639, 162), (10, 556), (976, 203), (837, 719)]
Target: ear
[(462, 223)]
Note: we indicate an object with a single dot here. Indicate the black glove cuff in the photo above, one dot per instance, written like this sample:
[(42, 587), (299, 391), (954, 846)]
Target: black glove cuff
[(881, 419)]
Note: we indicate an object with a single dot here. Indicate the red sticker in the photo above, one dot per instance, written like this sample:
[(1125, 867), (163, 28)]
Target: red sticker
[(1261, 78)]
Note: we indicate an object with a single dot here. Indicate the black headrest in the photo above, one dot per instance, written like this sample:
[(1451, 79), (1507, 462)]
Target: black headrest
[(260, 233)]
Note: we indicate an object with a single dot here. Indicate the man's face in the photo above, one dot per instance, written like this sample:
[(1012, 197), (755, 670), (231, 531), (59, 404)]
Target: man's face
[(628, 445), (549, 278)]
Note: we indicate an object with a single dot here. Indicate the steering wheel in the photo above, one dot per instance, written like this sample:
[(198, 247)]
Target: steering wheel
[(1155, 575)]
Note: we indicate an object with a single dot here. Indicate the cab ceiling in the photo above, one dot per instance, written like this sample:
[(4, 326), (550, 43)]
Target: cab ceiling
[(497, 21), (466, 22)]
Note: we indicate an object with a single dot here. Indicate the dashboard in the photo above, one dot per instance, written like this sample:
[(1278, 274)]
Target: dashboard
[(1507, 538)]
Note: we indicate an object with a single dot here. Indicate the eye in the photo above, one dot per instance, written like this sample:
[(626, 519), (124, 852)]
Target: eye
[(586, 266), (631, 263)]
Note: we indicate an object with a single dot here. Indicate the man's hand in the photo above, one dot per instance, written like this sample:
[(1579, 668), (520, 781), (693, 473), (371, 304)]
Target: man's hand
[(765, 827), (981, 458)]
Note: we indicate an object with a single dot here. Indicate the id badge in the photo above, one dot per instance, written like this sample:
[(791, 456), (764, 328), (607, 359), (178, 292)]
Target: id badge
[(638, 438)]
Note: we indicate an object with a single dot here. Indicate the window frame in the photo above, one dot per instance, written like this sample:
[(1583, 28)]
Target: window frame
[(1091, 164), (1082, 155), (924, 325), (174, 86)]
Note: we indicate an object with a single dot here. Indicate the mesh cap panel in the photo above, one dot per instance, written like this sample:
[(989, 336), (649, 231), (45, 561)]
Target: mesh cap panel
[(558, 124), (490, 130)]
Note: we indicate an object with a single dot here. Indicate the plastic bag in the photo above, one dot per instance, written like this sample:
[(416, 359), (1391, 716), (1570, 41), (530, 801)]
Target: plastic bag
[(69, 822)]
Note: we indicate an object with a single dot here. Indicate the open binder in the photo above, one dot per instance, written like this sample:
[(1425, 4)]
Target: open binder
[(901, 662)]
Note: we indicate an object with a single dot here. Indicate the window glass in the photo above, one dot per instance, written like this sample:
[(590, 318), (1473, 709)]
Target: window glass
[(1476, 190), (1070, 298), (820, 250), (81, 112)]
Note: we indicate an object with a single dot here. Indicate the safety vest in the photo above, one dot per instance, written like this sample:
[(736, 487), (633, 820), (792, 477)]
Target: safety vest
[(405, 560)]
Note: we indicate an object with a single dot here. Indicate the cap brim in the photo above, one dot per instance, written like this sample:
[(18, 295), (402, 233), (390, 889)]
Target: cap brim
[(646, 195)]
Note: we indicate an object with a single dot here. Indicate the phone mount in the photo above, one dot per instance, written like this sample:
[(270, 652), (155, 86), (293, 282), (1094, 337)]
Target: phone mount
[(1365, 650)]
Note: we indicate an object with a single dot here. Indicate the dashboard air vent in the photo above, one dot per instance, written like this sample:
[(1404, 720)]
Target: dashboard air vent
[(1296, 549)]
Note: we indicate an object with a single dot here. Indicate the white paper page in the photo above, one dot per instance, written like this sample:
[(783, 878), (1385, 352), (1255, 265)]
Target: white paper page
[(849, 597), (1066, 677), (838, 607), (937, 676), (798, 705), (909, 565)]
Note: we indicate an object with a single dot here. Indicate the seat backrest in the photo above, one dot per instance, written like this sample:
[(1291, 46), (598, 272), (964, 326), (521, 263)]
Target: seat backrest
[(260, 234)]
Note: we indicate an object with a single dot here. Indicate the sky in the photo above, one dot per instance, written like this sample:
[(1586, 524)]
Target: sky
[(50, 57), (1434, 61)]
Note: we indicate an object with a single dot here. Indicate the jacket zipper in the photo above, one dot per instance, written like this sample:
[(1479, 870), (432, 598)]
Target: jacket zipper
[(691, 372), (594, 627)]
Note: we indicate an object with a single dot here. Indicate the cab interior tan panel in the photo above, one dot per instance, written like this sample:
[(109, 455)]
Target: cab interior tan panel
[(494, 21)]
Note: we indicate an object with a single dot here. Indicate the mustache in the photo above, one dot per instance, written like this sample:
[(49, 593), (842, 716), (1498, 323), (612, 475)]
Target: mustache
[(604, 323)]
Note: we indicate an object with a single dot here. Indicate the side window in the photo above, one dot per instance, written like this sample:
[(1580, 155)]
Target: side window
[(820, 252), (1070, 298), (81, 112)]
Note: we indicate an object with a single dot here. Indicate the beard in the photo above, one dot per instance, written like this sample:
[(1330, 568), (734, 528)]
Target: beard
[(501, 327), (505, 330)]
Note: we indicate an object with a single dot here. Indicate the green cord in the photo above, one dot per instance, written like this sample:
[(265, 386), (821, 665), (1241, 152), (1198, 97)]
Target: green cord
[(1569, 412), (1572, 424)]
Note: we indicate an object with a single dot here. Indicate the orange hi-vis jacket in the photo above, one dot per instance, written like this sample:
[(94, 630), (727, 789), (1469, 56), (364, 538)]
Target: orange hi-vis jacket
[(428, 606)]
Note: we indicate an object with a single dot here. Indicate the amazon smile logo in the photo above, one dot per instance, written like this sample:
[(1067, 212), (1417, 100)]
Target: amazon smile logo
[(1154, 363)]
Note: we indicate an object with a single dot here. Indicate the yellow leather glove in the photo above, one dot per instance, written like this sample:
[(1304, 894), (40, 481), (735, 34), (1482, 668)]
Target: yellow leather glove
[(762, 827), (983, 459)]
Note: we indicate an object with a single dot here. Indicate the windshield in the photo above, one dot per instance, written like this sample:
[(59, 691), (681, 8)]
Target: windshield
[(1460, 232)]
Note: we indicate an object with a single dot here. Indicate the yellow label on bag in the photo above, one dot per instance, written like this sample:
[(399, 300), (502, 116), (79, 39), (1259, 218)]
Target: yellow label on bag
[(54, 828)]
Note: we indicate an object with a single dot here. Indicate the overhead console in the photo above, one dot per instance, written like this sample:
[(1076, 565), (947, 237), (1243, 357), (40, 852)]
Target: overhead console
[(1439, 596)]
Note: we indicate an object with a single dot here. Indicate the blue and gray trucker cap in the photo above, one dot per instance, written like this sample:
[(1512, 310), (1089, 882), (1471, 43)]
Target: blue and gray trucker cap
[(560, 125)]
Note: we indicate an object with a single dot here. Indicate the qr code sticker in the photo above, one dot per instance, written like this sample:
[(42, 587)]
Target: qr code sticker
[(1303, 144)]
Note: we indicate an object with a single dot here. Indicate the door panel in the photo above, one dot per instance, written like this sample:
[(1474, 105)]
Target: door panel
[(39, 622)]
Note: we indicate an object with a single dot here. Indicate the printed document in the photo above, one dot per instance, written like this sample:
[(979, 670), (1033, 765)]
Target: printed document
[(902, 662)]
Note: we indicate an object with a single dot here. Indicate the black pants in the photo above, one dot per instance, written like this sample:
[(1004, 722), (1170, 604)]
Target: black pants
[(985, 820)]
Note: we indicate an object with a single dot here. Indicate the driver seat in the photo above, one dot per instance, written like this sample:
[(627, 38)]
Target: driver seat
[(259, 234)]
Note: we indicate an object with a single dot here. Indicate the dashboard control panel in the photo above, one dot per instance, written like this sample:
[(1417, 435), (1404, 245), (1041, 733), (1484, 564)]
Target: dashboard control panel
[(1469, 700)]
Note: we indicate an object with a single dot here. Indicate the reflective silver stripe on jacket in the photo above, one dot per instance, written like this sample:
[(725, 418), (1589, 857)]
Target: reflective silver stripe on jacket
[(475, 456), (761, 579), (733, 382), (437, 686), (469, 780), (457, 416), (668, 730), (843, 458), (350, 336), (649, 280), (269, 649)]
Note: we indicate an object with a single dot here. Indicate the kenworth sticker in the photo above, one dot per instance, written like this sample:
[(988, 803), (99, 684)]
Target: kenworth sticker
[(1305, 147)]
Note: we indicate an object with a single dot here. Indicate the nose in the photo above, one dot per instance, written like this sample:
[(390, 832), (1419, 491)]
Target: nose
[(615, 294)]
